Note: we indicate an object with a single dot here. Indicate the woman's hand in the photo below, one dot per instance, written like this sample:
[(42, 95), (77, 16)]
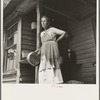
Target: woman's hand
[(38, 51)]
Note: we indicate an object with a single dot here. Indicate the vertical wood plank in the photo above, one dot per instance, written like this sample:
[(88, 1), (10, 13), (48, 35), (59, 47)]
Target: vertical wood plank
[(39, 12), (19, 49), (94, 27), (5, 52)]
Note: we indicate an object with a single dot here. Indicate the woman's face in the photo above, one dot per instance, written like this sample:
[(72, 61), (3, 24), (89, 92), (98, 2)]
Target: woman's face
[(44, 22)]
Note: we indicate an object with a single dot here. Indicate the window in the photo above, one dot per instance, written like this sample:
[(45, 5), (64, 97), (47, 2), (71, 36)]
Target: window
[(10, 48)]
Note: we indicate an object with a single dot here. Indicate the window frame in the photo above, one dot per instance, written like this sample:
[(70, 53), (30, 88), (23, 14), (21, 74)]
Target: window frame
[(6, 47)]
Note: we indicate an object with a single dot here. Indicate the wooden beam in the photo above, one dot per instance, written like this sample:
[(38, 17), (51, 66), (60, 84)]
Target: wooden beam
[(10, 18), (88, 3), (23, 8), (39, 11), (26, 6), (60, 12)]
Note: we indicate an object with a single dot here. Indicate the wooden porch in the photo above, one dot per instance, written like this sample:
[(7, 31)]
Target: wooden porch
[(77, 17)]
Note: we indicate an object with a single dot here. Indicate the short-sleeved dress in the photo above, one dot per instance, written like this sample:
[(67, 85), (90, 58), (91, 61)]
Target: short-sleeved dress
[(49, 69)]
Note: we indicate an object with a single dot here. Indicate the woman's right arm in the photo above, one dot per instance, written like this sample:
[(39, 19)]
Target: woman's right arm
[(38, 51)]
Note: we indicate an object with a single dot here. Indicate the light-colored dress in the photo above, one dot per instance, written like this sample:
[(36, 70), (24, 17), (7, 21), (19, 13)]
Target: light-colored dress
[(49, 69)]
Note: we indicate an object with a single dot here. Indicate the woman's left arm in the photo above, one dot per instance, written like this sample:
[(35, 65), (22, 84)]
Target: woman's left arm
[(61, 33), (61, 36)]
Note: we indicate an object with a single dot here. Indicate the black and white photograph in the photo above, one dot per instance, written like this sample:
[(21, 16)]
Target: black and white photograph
[(49, 42), (49, 50)]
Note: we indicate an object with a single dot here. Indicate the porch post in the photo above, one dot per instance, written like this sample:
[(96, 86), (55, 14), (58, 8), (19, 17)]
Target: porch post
[(4, 45), (39, 11)]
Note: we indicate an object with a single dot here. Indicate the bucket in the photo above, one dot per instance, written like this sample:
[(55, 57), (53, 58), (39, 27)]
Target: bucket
[(33, 58)]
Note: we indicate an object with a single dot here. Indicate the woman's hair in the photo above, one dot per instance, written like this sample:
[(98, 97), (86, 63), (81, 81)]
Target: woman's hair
[(48, 18)]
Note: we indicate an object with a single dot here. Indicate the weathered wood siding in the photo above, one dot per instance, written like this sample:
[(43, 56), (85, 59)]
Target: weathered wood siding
[(28, 44), (82, 42), (28, 36), (10, 77), (27, 73)]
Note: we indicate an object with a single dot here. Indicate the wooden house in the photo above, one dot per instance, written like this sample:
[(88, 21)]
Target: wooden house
[(77, 17)]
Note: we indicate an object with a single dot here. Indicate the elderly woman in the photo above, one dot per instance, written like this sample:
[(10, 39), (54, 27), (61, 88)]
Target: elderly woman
[(49, 68)]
